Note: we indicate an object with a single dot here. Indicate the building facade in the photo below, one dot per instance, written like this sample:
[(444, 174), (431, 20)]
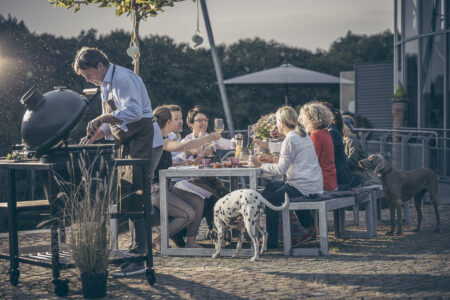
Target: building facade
[(421, 60)]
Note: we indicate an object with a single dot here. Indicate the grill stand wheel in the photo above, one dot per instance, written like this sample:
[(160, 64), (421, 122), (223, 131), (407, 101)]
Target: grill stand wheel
[(61, 287), (14, 275), (150, 276)]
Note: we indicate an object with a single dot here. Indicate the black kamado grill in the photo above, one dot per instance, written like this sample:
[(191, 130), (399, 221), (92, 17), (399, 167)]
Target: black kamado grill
[(46, 126), (47, 123)]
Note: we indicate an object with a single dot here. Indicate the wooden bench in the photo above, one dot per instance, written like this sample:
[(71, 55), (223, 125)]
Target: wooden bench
[(28, 205), (367, 197), (336, 202)]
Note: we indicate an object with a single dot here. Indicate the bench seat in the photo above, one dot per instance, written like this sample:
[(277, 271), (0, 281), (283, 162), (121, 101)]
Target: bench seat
[(323, 203)]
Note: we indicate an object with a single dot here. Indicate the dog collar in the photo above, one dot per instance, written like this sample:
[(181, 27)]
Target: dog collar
[(382, 174)]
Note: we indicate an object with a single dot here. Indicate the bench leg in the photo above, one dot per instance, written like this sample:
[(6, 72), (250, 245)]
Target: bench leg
[(114, 229), (339, 222), (323, 230), (369, 216), (356, 215), (374, 213), (287, 242)]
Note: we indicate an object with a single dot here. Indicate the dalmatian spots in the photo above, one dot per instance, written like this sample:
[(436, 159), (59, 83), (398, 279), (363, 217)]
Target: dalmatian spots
[(243, 208)]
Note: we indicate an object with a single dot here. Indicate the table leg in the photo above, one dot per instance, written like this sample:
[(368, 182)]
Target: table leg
[(61, 287), (164, 217), (14, 272)]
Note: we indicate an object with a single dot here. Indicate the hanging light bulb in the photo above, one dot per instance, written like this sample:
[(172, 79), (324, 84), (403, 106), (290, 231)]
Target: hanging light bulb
[(133, 50), (197, 38)]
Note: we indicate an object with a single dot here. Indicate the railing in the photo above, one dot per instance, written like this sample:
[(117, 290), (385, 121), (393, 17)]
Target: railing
[(416, 147)]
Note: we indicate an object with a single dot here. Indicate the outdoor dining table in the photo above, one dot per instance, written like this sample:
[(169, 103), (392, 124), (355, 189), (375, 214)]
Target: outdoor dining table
[(164, 176)]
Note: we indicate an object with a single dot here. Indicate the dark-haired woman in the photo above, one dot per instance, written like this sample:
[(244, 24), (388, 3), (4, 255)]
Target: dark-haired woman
[(185, 208)]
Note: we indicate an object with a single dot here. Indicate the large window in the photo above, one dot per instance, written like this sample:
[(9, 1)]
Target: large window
[(398, 26), (447, 8), (432, 16), (448, 85), (410, 17), (432, 62), (411, 61)]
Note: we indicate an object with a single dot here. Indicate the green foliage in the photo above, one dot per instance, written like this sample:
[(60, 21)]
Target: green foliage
[(172, 72), (144, 8), (400, 92)]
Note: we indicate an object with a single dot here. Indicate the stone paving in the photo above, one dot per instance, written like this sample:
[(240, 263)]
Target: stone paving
[(415, 265)]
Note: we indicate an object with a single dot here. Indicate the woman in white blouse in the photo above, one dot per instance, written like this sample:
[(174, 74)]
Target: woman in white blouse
[(298, 161)]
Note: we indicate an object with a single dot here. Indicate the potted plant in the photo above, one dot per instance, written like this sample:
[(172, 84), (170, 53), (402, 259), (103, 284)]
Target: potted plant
[(399, 107), (86, 216)]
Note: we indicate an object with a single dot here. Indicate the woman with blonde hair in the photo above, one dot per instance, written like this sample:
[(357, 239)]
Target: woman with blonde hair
[(298, 161), (316, 118)]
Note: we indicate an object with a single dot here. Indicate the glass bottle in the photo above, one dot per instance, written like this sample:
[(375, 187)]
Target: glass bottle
[(238, 139)]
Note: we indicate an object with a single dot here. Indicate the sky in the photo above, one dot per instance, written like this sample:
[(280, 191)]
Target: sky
[(309, 24)]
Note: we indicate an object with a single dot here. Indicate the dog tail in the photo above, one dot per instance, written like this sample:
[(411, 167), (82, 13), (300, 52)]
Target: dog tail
[(273, 207)]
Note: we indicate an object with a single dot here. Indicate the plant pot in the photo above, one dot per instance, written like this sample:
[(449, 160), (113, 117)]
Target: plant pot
[(94, 285)]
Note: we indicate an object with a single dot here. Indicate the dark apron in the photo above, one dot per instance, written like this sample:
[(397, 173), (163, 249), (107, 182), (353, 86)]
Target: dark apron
[(137, 142)]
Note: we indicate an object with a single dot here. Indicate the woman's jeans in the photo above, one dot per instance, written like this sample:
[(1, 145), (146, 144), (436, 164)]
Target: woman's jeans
[(274, 193)]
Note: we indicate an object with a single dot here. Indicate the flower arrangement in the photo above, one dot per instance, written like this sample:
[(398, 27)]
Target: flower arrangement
[(265, 125)]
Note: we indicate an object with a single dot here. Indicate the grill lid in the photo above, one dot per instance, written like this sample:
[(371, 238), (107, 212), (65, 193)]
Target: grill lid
[(50, 117)]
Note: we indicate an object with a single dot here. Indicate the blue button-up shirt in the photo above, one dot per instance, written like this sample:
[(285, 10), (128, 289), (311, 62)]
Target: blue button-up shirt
[(131, 99)]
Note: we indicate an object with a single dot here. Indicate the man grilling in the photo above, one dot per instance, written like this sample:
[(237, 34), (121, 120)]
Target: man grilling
[(127, 118)]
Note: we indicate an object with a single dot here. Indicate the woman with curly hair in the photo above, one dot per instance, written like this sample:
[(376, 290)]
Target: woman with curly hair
[(316, 118), (298, 161)]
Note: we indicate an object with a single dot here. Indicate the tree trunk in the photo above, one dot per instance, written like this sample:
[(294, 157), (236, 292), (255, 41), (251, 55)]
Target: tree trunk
[(136, 19)]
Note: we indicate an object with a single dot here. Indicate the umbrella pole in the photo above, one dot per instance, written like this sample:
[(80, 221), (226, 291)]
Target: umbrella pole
[(286, 95), (218, 69)]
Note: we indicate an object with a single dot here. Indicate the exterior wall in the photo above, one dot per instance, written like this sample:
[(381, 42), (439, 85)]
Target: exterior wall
[(374, 86)]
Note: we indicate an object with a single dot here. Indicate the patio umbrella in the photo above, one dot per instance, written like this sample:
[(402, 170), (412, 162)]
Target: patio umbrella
[(285, 74)]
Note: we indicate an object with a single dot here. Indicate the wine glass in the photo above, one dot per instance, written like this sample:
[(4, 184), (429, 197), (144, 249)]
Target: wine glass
[(218, 125)]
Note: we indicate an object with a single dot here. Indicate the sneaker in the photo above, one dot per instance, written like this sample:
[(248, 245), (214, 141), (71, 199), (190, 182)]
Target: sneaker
[(130, 269)]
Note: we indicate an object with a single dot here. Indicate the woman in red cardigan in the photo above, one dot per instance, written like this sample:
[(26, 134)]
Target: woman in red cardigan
[(315, 117)]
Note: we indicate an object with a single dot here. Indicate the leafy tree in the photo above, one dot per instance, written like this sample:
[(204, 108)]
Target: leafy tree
[(140, 10), (172, 72)]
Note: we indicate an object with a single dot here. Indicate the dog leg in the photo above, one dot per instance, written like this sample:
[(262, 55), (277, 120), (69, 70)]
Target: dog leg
[(219, 239), (241, 237), (262, 230), (252, 233), (418, 204), (399, 219), (434, 199), (392, 211)]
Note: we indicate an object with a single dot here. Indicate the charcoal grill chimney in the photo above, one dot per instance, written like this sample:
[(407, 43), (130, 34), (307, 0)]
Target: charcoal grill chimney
[(33, 98)]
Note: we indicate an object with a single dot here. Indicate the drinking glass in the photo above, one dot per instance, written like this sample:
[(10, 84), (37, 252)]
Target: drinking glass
[(218, 125), (251, 136)]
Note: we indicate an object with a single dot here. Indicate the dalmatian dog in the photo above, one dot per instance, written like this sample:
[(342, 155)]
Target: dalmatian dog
[(244, 209)]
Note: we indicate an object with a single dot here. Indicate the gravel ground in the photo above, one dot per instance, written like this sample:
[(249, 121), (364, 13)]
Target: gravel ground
[(415, 265)]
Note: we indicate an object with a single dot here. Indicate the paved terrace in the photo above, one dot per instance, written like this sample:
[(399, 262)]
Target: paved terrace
[(415, 265)]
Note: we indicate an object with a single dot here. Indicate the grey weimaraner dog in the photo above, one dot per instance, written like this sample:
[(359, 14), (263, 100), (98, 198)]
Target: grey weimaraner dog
[(399, 186)]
